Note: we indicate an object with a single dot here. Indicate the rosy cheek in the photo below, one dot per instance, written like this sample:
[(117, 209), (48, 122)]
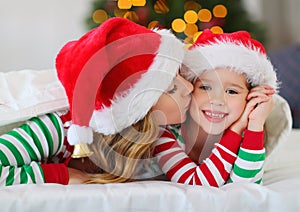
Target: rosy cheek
[(240, 108)]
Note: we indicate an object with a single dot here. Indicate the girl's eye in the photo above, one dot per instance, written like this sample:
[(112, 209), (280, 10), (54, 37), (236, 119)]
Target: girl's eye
[(231, 91), (173, 89), (205, 87)]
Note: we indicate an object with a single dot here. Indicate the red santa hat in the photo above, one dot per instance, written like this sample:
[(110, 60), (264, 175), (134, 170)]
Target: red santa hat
[(114, 74), (235, 50)]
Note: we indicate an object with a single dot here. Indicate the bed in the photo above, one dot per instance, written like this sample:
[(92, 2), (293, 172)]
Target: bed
[(281, 183)]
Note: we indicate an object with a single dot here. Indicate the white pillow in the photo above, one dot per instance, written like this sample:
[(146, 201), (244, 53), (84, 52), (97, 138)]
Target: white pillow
[(284, 163), (278, 127), (28, 93)]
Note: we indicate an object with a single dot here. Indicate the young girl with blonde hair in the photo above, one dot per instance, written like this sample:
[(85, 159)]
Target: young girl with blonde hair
[(113, 75)]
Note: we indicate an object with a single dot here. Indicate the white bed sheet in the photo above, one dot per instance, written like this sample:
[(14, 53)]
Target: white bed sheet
[(152, 196), (280, 192)]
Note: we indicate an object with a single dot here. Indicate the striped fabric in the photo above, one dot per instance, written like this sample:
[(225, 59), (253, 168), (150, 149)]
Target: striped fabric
[(178, 167), (248, 166), (40, 140), (223, 165)]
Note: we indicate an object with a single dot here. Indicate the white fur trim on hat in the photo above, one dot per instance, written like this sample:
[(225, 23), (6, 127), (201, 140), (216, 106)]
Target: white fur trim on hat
[(80, 134), (132, 106), (252, 62)]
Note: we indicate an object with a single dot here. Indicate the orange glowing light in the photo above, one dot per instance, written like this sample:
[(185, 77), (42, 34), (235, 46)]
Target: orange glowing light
[(190, 17), (99, 16), (178, 25), (131, 15), (152, 24), (220, 11), (204, 15), (216, 30), (124, 4), (190, 30), (138, 3)]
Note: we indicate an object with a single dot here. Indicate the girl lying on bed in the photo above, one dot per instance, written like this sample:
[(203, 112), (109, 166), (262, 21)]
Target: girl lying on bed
[(124, 116), (142, 64), (232, 98)]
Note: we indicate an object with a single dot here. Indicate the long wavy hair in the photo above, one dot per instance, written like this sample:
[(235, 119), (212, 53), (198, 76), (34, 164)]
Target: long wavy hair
[(119, 155)]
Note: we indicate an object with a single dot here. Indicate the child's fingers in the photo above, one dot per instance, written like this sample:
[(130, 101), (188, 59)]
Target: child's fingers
[(265, 89), (262, 110), (250, 106), (258, 94), (257, 100), (260, 91)]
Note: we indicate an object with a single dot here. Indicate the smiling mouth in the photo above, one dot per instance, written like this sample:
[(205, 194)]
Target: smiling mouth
[(214, 116)]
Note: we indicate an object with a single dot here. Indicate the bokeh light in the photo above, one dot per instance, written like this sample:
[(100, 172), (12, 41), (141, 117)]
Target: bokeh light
[(119, 13), (204, 15), (99, 16), (178, 25), (190, 17), (190, 30), (161, 7), (191, 5), (124, 4), (220, 11), (187, 25), (153, 24), (138, 3), (131, 15), (216, 30)]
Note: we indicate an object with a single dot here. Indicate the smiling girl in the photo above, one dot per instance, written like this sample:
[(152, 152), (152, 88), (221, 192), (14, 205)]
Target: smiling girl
[(233, 85)]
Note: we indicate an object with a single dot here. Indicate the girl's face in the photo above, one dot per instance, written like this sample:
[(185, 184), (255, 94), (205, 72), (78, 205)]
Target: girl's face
[(218, 100), (172, 105)]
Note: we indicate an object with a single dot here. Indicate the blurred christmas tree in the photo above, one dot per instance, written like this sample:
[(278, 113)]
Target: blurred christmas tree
[(187, 18)]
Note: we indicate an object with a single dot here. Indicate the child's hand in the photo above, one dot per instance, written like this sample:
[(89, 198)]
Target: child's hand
[(261, 97), (256, 96), (240, 125)]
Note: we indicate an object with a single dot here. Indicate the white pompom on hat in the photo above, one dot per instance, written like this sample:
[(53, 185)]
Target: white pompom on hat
[(114, 74), (236, 50)]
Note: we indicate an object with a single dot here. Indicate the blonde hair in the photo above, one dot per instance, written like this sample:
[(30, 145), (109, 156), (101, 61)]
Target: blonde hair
[(119, 155)]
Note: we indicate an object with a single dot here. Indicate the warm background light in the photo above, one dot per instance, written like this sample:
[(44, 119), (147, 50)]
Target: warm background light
[(131, 15), (138, 3), (220, 11), (99, 16), (124, 4), (190, 30), (204, 15), (178, 25), (186, 18), (153, 24), (216, 29), (191, 5), (119, 13), (161, 7), (190, 17)]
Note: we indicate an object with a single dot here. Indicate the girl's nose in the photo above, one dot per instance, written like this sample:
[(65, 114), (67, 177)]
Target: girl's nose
[(217, 98)]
